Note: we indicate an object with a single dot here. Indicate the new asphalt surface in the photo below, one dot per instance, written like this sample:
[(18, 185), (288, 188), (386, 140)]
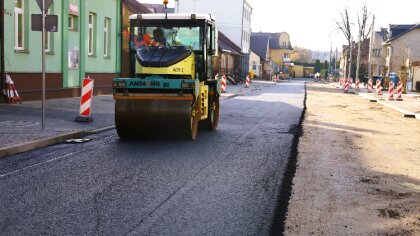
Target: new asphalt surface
[(227, 182)]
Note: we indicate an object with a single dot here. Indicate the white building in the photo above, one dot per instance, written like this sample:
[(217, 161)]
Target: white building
[(233, 17)]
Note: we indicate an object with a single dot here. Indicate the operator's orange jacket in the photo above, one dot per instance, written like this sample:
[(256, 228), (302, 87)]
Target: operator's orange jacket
[(142, 40)]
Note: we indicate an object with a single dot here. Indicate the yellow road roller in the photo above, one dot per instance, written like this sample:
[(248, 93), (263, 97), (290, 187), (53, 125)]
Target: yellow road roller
[(171, 86)]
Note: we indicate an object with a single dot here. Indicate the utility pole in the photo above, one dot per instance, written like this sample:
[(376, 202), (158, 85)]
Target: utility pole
[(358, 53), (330, 67), (43, 63), (335, 62), (351, 57), (371, 44)]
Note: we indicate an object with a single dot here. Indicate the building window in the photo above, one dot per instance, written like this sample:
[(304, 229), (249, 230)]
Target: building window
[(91, 34), (71, 22), (107, 33), (284, 44), (376, 52), (19, 25), (287, 55)]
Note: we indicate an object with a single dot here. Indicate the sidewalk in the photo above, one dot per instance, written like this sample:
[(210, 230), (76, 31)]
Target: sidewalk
[(409, 107), (21, 124)]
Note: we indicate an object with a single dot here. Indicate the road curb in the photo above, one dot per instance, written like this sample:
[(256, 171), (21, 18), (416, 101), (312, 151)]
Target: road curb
[(31, 145), (401, 110)]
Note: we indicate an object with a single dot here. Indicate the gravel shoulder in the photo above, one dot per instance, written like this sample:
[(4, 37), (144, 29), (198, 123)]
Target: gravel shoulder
[(358, 168)]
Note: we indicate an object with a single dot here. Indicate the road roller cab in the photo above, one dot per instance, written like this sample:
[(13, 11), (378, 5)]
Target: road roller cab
[(171, 88)]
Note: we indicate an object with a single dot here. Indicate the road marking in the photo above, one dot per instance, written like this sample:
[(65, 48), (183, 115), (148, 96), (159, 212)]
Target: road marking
[(35, 165), (17, 123)]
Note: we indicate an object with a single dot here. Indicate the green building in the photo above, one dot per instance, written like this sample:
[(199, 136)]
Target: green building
[(87, 43)]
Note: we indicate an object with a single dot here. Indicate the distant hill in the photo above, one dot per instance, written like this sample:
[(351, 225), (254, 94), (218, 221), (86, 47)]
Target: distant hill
[(309, 56)]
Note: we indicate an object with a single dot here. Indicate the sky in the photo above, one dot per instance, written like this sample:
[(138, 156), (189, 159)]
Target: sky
[(311, 23)]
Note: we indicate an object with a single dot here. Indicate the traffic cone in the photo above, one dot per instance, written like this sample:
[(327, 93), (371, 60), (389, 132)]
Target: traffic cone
[(223, 88), (399, 91), (247, 82), (11, 91), (86, 101)]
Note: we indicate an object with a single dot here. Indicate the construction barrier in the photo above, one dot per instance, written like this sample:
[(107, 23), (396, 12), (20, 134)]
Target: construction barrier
[(378, 87), (357, 84), (223, 89), (346, 86), (11, 91), (391, 91), (370, 84), (86, 101), (247, 82), (399, 91)]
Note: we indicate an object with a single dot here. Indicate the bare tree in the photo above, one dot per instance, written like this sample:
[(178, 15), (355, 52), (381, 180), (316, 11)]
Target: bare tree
[(344, 25), (363, 33)]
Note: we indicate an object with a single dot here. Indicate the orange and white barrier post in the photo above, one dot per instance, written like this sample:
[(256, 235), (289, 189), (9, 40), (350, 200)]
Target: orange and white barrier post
[(399, 91), (346, 86), (223, 89), (370, 84), (86, 101), (357, 83), (391, 91), (247, 82), (341, 82), (378, 87), (11, 91)]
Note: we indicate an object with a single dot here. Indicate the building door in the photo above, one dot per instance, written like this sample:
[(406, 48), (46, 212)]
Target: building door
[(416, 78), (73, 58), (72, 45)]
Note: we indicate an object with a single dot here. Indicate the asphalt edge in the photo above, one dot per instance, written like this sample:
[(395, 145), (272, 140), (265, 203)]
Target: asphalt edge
[(285, 192), (32, 145)]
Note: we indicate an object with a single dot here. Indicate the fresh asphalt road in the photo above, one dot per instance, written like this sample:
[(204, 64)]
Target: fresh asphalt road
[(224, 183)]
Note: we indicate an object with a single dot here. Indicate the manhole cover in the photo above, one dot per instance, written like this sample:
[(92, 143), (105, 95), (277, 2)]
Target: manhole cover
[(77, 140)]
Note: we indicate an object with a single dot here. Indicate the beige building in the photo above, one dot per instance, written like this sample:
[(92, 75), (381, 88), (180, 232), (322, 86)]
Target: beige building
[(255, 64), (402, 47), (280, 50), (379, 53), (260, 46)]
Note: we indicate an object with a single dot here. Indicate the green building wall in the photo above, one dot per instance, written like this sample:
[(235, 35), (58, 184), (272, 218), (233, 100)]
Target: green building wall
[(25, 66)]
